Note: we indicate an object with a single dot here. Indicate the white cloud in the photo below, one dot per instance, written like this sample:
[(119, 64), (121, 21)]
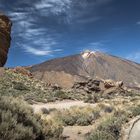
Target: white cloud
[(31, 28), (56, 7), (40, 52), (73, 11), (38, 40), (41, 46)]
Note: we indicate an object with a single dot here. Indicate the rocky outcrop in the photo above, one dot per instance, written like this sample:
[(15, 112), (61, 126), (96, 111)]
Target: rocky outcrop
[(89, 86), (97, 85), (5, 30), (23, 71)]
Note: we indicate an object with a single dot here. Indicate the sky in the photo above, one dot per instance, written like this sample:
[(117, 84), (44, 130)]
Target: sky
[(47, 29)]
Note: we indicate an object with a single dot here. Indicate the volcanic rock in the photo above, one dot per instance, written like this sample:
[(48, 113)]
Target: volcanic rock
[(5, 29)]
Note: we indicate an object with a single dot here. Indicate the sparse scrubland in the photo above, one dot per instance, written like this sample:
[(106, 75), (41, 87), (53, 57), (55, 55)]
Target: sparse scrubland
[(30, 89), (82, 116), (18, 121)]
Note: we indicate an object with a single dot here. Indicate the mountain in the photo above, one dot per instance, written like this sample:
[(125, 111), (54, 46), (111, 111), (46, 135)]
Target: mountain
[(5, 29), (65, 71)]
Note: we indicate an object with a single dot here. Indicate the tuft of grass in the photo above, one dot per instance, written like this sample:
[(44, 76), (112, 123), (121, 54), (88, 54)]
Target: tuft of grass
[(91, 98), (100, 135), (77, 116), (135, 110)]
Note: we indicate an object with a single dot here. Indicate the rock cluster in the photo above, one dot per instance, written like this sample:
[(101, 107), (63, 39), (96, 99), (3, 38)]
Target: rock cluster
[(23, 71), (5, 30), (96, 85), (110, 83), (88, 86)]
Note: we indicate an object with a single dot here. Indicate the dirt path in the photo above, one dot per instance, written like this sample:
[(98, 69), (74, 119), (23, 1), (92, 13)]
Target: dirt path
[(66, 104), (76, 132)]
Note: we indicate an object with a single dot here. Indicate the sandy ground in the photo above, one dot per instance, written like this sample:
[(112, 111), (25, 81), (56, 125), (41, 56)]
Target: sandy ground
[(76, 132), (66, 104)]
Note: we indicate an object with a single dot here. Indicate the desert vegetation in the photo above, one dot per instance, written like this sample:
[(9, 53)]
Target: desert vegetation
[(83, 116), (30, 89), (17, 121), (112, 110)]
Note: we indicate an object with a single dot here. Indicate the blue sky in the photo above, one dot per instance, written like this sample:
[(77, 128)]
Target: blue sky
[(46, 29)]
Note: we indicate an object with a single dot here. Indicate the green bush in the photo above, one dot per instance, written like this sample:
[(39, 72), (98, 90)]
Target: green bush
[(77, 116), (100, 135), (135, 110), (18, 122), (91, 98), (61, 94), (19, 86), (110, 128)]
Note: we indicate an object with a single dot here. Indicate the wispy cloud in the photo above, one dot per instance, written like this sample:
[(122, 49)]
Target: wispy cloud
[(32, 38), (40, 52), (34, 23), (53, 6), (96, 46), (134, 56)]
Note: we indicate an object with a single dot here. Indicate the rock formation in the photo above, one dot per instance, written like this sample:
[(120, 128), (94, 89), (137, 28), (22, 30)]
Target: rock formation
[(97, 85), (5, 30)]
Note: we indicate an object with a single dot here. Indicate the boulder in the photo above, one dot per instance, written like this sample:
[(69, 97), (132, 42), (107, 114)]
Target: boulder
[(109, 83), (5, 30)]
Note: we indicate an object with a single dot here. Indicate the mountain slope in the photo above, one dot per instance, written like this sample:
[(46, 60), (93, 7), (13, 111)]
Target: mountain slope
[(85, 65)]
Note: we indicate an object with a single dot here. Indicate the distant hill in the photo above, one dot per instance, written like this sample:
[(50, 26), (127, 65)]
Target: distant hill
[(64, 71)]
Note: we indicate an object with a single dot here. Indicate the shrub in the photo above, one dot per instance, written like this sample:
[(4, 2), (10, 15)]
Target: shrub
[(77, 116), (106, 108), (91, 98), (100, 135), (18, 122), (45, 111), (61, 94), (135, 110), (54, 128), (19, 86), (110, 127)]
